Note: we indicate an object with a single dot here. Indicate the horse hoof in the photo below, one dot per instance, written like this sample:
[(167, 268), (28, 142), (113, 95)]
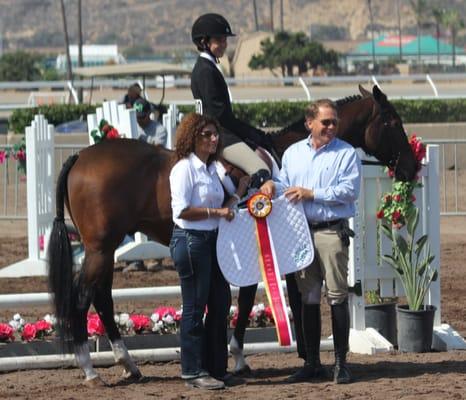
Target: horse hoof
[(243, 371), (95, 382), (131, 377)]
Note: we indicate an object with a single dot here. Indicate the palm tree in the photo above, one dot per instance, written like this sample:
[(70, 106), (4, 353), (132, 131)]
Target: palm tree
[(69, 73), (453, 21), (419, 8), (256, 21), (80, 47), (399, 29), (371, 15), (271, 15), (282, 25), (438, 14)]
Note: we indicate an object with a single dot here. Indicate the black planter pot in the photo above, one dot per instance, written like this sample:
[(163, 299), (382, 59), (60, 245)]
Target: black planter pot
[(415, 329), (382, 317)]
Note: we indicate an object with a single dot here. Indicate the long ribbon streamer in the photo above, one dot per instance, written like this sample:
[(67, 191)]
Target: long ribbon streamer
[(272, 282)]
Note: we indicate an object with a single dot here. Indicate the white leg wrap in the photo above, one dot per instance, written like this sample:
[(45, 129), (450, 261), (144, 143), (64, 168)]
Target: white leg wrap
[(237, 353), (83, 358), (122, 356)]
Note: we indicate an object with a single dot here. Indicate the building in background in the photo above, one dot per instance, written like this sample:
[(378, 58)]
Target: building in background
[(93, 55)]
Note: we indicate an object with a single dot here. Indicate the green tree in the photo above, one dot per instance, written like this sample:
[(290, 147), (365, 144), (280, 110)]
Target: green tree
[(20, 66), (454, 23), (288, 50)]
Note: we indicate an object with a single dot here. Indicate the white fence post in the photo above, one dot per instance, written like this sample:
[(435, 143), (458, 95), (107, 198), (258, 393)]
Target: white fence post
[(40, 197)]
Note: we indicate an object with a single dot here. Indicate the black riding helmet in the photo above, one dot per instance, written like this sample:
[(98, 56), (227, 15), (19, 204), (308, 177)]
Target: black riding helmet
[(209, 25)]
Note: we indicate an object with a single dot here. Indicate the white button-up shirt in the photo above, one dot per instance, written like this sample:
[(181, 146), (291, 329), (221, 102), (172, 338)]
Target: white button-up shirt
[(193, 184)]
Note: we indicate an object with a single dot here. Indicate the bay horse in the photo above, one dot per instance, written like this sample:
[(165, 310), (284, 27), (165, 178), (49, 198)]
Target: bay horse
[(121, 186)]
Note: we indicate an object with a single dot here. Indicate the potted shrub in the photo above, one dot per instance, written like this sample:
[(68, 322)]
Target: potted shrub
[(380, 314), (412, 262)]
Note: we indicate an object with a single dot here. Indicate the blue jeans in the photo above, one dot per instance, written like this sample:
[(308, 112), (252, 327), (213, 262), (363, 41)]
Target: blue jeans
[(203, 346)]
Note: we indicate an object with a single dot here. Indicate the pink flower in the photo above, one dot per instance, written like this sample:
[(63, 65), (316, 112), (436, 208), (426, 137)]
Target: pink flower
[(268, 313), (112, 134), (396, 216), (43, 325), (391, 173), (29, 332), (397, 198), (41, 242), (94, 325), (6, 333), (141, 322), (20, 155), (413, 198), (3, 156), (379, 214), (163, 311)]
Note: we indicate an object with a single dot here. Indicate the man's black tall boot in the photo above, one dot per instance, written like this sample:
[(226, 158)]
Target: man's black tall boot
[(340, 330), (311, 334)]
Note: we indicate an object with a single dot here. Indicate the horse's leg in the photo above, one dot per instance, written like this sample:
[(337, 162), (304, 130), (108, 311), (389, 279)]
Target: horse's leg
[(246, 297), (103, 304), (83, 294)]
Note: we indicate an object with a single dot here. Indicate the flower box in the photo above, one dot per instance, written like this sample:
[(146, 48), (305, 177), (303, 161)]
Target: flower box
[(36, 348)]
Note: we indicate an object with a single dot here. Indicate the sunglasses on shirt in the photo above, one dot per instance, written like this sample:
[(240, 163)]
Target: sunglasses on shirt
[(328, 122), (209, 134)]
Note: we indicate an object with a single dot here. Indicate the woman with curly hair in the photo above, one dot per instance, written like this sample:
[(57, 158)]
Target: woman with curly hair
[(197, 198)]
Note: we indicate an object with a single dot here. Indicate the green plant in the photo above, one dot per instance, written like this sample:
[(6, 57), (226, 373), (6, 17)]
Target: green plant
[(55, 115), (411, 260)]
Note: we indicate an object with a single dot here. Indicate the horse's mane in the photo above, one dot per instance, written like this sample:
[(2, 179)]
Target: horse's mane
[(299, 124), (348, 99)]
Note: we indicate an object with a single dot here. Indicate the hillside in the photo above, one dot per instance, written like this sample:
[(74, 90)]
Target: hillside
[(167, 23)]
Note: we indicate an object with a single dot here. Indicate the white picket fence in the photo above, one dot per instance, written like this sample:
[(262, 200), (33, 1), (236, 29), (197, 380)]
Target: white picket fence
[(40, 142), (364, 264)]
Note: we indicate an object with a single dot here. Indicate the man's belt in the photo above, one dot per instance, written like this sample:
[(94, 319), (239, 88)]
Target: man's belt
[(325, 224)]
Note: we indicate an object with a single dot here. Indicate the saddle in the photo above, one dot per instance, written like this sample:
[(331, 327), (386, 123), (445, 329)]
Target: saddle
[(230, 174)]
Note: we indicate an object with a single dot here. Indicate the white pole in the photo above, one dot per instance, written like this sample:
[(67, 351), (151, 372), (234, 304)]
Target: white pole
[(432, 85), (107, 358), (119, 295), (306, 89)]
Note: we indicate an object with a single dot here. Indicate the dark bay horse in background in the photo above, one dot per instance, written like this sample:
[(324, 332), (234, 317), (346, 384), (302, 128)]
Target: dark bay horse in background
[(121, 186)]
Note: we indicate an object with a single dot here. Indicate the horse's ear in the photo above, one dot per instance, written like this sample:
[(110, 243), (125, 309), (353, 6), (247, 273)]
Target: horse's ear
[(379, 96), (364, 92)]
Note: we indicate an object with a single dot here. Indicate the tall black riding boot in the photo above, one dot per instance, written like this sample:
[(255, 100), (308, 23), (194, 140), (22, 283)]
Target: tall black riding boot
[(311, 334), (340, 330)]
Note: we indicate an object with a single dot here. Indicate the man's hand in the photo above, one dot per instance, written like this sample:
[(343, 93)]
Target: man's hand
[(295, 194), (268, 188)]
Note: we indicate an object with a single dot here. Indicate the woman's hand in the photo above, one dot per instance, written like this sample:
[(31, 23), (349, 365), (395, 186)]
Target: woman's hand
[(226, 213), (268, 188), (243, 185)]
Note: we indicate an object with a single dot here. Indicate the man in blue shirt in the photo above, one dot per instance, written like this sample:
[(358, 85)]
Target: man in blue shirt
[(323, 172)]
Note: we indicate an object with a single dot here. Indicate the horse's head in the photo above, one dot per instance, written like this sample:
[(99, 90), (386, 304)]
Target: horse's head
[(385, 137)]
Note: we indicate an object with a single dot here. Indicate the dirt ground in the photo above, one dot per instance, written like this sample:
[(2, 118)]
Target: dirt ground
[(382, 376)]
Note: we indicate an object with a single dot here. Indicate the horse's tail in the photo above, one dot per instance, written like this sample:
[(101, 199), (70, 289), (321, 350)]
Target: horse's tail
[(60, 258)]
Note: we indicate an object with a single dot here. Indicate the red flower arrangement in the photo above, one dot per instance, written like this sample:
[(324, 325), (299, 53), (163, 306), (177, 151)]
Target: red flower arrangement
[(95, 327), (396, 205), (105, 131), (16, 152), (6, 333)]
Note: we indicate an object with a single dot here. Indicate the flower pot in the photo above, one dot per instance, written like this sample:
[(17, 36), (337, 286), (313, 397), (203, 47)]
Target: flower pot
[(415, 329), (382, 317)]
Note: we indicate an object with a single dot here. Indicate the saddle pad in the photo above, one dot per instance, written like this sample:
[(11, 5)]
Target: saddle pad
[(237, 249)]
